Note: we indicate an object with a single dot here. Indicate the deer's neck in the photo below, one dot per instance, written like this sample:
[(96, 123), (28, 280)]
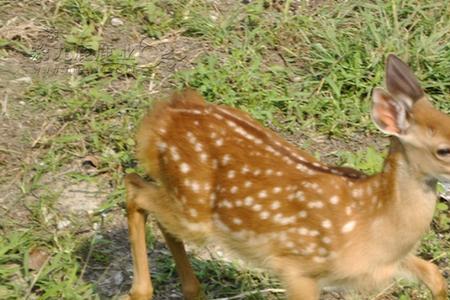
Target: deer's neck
[(405, 183), (408, 201)]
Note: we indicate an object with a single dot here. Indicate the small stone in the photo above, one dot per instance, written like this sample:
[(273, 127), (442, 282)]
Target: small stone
[(37, 257), (96, 226), (116, 22), (25, 79), (62, 224), (118, 278)]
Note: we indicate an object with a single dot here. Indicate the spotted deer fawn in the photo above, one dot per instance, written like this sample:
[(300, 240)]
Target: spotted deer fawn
[(220, 176)]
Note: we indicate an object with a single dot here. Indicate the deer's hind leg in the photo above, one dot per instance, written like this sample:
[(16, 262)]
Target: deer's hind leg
[(143, 198), (189, 283), (429, 274)]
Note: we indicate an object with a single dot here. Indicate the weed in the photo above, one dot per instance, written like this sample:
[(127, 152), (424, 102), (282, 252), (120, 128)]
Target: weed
[(368, 160), (83, 38)]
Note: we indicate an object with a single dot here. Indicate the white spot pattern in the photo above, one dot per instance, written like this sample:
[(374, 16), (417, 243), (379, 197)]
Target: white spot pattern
[(334, 199), (315, 204), (326, 224), (275, 205), (348, 227), (262, 194), (184, 167)]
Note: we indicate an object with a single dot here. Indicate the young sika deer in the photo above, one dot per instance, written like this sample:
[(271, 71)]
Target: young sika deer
[(220, 176)]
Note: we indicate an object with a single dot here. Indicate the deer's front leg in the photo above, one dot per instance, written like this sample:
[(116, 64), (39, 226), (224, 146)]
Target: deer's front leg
[(302, 289), (429, 274), (298, 286)]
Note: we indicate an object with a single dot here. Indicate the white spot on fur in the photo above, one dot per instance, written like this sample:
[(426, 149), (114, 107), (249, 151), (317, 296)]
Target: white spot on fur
[(195, 186), (334, 199), (203, 157), (310, 248), (357, 193), (301, 167), (276, 190), (326, 224), (290, 244), (348, 227), (218, 116), (247, 184), (248, 200), (313, 233), (245, 169), (302, 214), (315, 204), (162, 146), (212, 198), (231, 174), (231, 123), (264, 215), (174, 153), (257, 207), (225, 159), (262, 194), (184, 167), (237, 221), (326, 240), (193, 212), (348, 210), (214, 163), (289, 188), (275, 205), (225, 203), (300, 196), (302, 231), (191, 137), (319, 259), (233, 189), (198, 147), (280, 219)]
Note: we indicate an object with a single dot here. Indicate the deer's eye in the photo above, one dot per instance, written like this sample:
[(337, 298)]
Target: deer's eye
[(443, 152)]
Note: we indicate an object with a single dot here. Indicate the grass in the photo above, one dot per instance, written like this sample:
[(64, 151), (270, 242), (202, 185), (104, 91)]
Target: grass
[(309, 71)]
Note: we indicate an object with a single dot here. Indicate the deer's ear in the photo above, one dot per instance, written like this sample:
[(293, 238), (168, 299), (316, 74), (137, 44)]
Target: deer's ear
[(401, 81), (389, 115)]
